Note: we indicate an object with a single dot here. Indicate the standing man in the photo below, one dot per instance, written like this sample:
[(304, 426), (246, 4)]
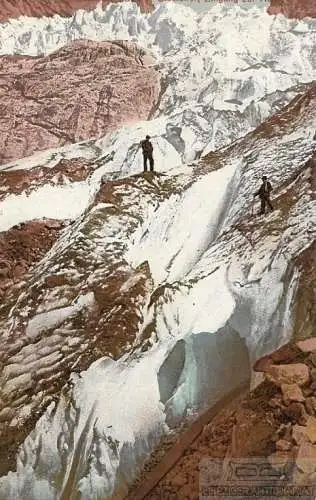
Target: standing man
[(147, 148), (264, 195)]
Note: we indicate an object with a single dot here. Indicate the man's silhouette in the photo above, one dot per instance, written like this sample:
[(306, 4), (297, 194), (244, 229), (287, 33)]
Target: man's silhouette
[(147, 148), (264, 194)]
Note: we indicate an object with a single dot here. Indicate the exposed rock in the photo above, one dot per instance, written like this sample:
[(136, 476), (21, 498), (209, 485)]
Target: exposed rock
[(288, 374), (292, 392), (299, 434), (297, 9), (306, 458), (38, 8), (310, 405), (28, 180), (312, 357), (307, 431), (284, 354), (283, 445), (296, 413), (179, 480), (276, 401), (262, 364), (23, 245), (81, 91), (307, 345), (251, 433)]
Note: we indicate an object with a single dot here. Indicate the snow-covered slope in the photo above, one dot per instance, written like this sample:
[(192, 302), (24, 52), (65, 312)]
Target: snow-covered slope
[(176, 271)]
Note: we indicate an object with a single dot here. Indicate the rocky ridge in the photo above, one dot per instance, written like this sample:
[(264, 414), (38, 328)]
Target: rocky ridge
[(81, 91), (11, 9), (21, 247), (294, 9)]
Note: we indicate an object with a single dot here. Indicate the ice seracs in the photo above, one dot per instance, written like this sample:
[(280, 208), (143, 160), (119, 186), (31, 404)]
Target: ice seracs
[(220, 79)]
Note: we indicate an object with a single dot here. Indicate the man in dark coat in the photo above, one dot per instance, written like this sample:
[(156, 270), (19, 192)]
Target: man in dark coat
[(147, 148), (264, 195)]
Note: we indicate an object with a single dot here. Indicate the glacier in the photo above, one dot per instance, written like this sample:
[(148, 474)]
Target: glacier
[(219, 81), (218, 285)]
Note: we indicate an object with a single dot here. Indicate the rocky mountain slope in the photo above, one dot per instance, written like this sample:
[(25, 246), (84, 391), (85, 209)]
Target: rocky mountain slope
[(82, 91), (22, 246), (15, 8), (294, 9)]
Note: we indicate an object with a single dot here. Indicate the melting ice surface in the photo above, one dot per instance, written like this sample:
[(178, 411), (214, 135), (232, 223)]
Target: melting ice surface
[(96, 437)]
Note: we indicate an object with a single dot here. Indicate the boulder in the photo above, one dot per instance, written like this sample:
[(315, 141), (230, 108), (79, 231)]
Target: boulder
[(292, 392), (310, 405), (305, 432), (6, 414), (251, 434), (296, 373), (285, 354), (262, 364), (307, 345)]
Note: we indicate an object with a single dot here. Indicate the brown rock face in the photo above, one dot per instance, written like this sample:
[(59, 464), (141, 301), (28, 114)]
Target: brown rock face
[(22, 246), (308, 431), (292, 392), (252, 435), (38, 8), (307, 345), (82, 91), (28, 180), (288, 374), (296, 9)]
